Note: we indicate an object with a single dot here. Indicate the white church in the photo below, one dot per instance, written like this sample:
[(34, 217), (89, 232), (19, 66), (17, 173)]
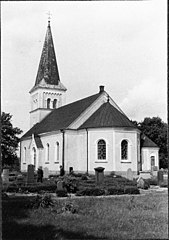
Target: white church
[(88, 133)]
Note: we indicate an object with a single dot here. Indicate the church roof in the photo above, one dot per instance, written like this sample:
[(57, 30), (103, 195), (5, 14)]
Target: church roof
[(107, 116), (147, 142), (61, 117), (48, 69)]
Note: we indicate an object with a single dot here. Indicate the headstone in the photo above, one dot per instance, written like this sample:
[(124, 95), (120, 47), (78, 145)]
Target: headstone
[(129, 174), (60, 186), (140, 183), (30, 174), (45, 172), (160, 177), (99, 175), (5, 176)]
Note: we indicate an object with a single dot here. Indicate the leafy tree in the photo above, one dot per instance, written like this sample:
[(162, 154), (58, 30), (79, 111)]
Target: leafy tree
[(9, 140), (156, 130)]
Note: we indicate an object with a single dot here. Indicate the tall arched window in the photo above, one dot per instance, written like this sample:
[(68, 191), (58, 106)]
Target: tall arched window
[(124, 150), (54, 103), (47, 152), (48, 103), (57, 152), (34, 156), (101, 149), (24, 157)]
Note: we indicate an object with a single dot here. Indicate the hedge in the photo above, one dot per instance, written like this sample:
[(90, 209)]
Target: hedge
[(131, 190), (90, 192), (33, 189)]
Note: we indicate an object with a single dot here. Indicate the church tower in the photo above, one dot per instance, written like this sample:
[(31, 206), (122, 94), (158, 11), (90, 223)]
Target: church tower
[(48, 92)]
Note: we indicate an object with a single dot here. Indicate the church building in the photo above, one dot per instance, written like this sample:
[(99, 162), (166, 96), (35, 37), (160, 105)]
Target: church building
[(85, 134)]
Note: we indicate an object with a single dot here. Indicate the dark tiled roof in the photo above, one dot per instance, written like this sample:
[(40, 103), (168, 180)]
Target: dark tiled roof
[(147, 142), (62, 117), (38, 142), (107, 116), (48, 69)]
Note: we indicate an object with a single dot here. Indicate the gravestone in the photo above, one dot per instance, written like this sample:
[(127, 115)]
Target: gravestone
[(140, 183), (160, 177), (99, 175), (5, 176), (30, 174), (129, 174), (60, 186), (45, 172)]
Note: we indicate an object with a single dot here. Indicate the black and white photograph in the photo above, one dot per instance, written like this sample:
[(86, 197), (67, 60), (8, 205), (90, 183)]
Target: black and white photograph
[(84, 120)]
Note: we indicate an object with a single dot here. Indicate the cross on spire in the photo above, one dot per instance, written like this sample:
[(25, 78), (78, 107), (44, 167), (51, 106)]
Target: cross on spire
[(49, 16)]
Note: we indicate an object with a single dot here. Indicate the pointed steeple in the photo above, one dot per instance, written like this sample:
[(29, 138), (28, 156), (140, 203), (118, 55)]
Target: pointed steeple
[(48, 69)]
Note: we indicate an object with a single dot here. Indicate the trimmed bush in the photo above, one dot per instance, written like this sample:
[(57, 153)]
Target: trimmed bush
[(61, 193), (152, 181), (131, 190), (33, 189), (115, 190), (91, 192)]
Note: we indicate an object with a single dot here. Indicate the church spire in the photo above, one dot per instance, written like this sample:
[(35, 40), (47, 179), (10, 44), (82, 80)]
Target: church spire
[(48, 69)]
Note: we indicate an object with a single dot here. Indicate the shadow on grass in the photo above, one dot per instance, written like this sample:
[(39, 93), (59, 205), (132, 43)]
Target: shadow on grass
[(14, 210)]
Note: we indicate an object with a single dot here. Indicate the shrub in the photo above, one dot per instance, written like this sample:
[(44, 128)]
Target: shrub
[(91, 192), (164, 184), (115, 190), (84, 177), (33, 188), (70, 208), (61, 193), (44, 201), (70, 183), (131, 190), (152, 181)]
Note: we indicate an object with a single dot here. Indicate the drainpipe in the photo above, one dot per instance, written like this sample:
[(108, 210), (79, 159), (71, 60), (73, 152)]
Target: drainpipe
[(87, 151), (63, 149)]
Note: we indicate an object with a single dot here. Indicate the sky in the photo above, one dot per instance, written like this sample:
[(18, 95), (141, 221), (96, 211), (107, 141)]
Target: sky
[(119, 44)]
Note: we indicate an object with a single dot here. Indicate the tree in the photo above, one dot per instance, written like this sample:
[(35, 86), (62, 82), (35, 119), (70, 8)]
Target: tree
[(156, 130), (9, 140)]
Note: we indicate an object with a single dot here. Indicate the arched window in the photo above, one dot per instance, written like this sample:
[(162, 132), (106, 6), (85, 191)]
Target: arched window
[(152, 161), (47, 152), (54, 103), (124, 150), (101, 149), (48, 103), (57, 152), (34, 156), (24, 157)]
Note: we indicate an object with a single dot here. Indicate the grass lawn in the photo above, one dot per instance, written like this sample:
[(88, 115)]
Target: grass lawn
[(117, 217)]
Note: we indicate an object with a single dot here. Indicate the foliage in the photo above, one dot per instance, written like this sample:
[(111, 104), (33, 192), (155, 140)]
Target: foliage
[(61, 193), (131, 190), (70, 183), (156, 130), (69, 207), (43, 201), (90, 192), (33, 189), (9, 141), (115, 190)]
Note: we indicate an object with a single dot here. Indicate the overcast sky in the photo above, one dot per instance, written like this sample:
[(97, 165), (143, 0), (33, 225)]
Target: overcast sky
[(119, 44)]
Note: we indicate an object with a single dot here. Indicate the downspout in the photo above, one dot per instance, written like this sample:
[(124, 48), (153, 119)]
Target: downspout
[(63, 149), (87, 151)]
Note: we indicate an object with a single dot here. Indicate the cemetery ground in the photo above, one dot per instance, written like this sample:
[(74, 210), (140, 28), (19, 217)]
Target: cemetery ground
[(133, 216)]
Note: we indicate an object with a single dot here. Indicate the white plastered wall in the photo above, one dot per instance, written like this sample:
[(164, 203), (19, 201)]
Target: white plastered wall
[(146, 153)]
